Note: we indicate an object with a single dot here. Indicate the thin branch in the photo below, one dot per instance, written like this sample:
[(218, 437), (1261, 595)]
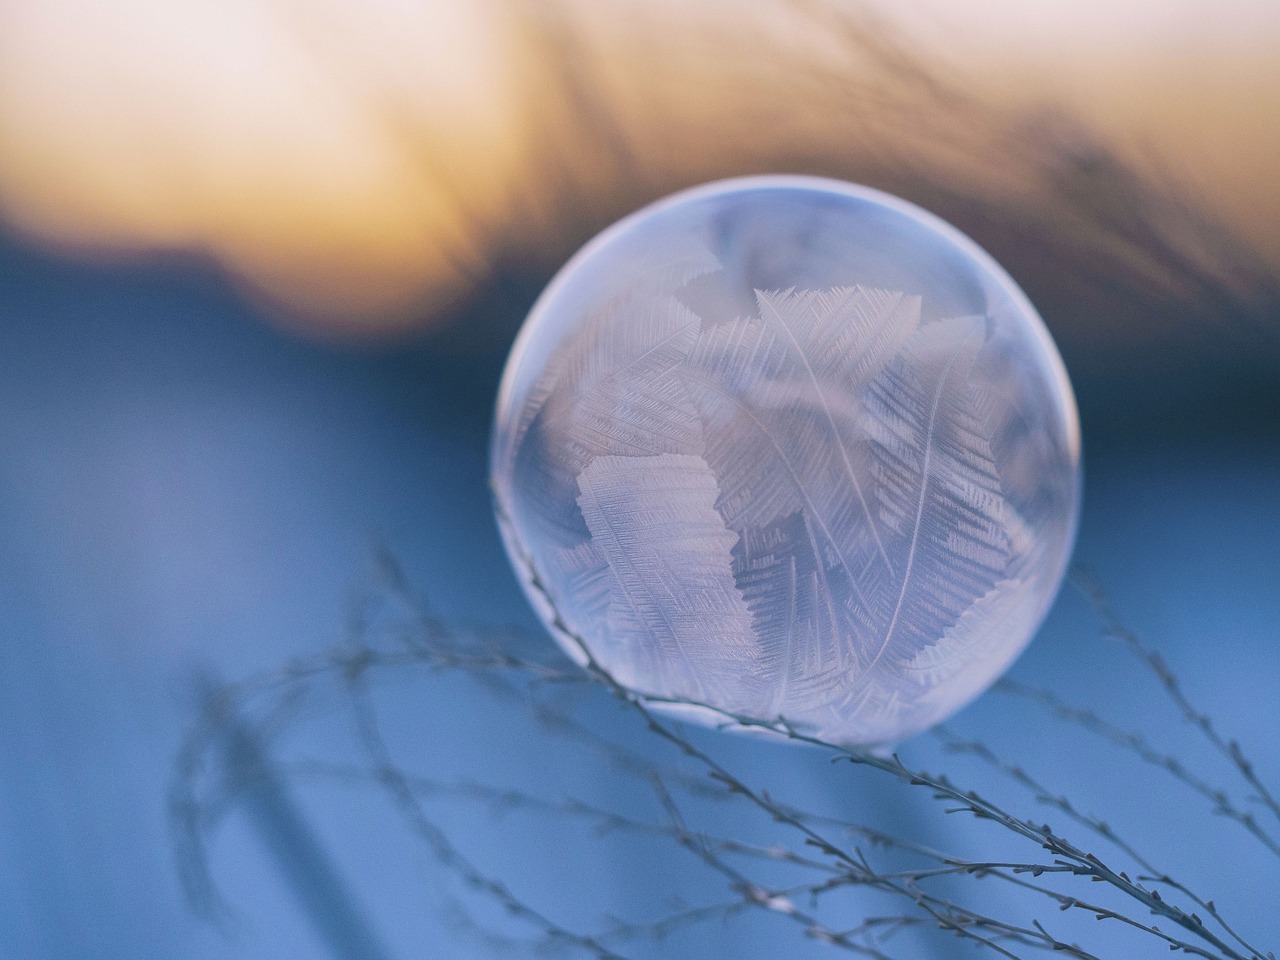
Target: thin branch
[(1230, 749), (438, 842), (1087, 863), (1138, 745)]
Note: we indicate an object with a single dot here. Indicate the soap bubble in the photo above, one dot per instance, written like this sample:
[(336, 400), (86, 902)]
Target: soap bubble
[(789, 447)]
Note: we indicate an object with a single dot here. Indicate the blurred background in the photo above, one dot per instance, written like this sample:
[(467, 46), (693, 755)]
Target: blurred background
[(260, 263)]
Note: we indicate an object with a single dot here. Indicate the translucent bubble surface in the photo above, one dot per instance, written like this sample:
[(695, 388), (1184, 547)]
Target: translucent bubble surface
[(791, 448)]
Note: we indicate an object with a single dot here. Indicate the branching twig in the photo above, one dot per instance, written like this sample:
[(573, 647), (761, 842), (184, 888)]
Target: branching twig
[(1138, 745), (1229, 749), (1086, 863), (826, 856)]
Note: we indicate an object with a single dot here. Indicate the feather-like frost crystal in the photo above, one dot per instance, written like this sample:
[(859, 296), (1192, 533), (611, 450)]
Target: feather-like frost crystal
[(789, 448)]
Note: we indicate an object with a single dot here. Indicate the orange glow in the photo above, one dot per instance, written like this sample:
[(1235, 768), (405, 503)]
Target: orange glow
[(359, 164), (322, 151)]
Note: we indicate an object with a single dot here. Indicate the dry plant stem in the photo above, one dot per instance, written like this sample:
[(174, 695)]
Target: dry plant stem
[(441, 847), (1065, 851), (857, 871), (1041, 793), (751, 893), (355, 663), (708, 847), (190, 820), (1138, 745), (503, 799), (1100, 827), (430, 643), (712, 849), (949, 916), (1230, 749), (1072, 859)]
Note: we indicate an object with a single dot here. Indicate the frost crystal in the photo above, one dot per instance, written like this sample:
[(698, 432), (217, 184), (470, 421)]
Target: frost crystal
[(791, 448)]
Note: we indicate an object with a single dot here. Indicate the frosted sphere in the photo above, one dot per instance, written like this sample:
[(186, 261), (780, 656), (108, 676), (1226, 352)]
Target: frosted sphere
[(791, 448)]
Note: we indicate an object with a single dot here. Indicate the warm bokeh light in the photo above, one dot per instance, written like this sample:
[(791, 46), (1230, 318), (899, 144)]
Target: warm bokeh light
[(322, 151), (361, 165), (1189, 88)]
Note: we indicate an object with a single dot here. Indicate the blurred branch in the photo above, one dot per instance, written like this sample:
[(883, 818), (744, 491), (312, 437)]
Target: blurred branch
[(246, 775), (819, 857)]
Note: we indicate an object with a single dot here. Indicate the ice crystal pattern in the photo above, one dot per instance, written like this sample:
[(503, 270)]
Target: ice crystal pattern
[(841, 505)]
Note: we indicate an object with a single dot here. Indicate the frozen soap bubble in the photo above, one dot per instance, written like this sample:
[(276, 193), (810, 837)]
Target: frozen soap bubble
[(791, 448)]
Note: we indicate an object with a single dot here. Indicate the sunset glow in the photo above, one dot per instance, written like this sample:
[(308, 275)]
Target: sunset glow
[(357, 165)]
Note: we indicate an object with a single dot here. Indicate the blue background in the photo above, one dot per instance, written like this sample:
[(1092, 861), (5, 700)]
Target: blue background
[(186, 492)]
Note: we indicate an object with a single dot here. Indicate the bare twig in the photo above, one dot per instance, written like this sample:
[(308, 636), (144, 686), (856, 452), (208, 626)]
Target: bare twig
[(824, 853), (1230, 749), (1138, 745)]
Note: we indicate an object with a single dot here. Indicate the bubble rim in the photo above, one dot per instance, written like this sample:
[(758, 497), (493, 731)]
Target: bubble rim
[(800, 182)]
